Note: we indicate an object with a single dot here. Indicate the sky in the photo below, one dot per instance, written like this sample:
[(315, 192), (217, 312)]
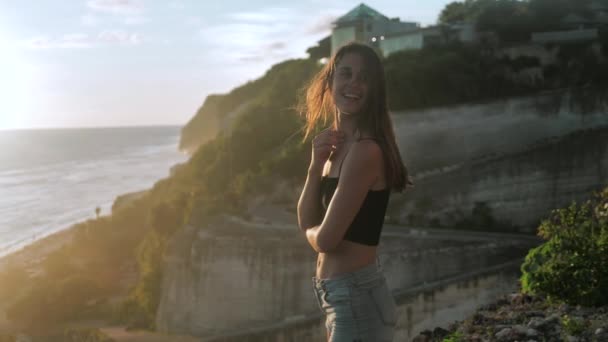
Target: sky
[(106, 63)]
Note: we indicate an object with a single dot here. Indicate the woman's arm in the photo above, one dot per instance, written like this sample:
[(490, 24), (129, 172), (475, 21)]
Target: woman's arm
[(309, 205), (361, 168)]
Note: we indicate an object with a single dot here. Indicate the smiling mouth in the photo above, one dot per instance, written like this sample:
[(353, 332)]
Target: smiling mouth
[(351, 96)]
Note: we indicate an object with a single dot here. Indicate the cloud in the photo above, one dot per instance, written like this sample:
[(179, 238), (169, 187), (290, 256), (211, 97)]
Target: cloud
[(118, 37), (268, 35), (90, 20), (322, 24), (138, 20), (272, 51), (73, 40), (276, 46), (193, 21), (267, 16), (176, 5), (83, 40), (122, 7), (251, 36)]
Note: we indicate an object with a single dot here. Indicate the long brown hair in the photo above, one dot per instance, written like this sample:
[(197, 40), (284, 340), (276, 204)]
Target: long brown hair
[(374, 119)]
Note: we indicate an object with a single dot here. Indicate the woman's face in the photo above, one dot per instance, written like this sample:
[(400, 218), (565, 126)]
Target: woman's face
[(350, 84)]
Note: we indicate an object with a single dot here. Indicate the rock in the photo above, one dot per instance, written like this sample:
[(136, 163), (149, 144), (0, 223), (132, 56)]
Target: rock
[(585, 311), (427, 333), (535, 313), (570, 338), (536, 323), (513, 297), (478, 318), (519, 298), (502, 301), (601, 334), (421, 338), (489, 307), (425, 336), (504, 333), (520, 329), (531, 332), (440, 333), (554, 318)]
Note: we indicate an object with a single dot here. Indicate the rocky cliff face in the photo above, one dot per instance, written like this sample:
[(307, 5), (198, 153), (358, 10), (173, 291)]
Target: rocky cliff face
[(522, 157), (227, 277)]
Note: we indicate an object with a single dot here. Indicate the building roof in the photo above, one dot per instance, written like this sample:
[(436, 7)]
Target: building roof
[(361, 12)]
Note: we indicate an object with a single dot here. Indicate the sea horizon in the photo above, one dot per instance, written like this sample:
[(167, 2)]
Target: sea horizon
[(52, 178), (49, 128)]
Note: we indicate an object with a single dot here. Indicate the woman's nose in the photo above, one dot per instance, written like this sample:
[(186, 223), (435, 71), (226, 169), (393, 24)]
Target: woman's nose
[(357, 80)]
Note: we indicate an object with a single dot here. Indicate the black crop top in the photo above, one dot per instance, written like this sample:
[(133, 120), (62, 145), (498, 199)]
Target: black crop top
[(367, 224)]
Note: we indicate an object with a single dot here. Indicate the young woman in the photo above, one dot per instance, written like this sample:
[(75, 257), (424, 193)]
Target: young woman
[(354, 166)]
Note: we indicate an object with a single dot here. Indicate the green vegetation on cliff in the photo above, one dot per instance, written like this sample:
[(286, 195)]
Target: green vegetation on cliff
[(572, 265), (515, 20)]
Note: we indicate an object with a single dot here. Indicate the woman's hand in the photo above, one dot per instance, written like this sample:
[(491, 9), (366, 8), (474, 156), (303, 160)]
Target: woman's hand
[(326, 142)]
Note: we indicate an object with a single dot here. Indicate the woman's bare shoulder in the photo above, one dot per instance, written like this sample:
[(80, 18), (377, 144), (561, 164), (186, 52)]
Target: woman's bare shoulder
[(366, 150)]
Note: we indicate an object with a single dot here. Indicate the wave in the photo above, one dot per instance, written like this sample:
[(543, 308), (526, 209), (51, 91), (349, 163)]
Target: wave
[(46, 197)]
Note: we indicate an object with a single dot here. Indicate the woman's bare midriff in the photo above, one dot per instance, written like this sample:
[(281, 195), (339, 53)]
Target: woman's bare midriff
[(347, 257)]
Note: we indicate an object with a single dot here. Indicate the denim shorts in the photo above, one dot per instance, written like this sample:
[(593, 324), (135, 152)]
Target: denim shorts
[(358, 306)]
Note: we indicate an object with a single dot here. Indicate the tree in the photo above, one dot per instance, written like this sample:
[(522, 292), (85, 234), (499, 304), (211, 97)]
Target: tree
[(510, 19), (321, 50), (453, 12)]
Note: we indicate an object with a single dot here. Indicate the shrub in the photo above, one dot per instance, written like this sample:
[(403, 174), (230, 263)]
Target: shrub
[(573, 326), (454, 337), (70, 298), (572, 265)]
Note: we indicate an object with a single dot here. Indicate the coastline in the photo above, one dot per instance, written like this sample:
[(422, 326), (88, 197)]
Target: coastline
[(28, 256), (31, 254)]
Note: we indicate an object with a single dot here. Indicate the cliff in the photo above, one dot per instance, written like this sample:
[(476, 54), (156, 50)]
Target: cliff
[(521, 157), (219, 111), (228, 276)]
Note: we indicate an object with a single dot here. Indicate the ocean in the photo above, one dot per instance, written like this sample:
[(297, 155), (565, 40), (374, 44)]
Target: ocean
[(52, 178)]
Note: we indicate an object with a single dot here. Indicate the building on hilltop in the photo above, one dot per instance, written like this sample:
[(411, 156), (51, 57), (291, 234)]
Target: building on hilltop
[(366, 25)]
